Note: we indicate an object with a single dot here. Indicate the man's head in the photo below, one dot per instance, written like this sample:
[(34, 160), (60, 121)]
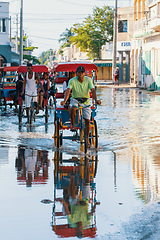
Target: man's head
[(80, 72), (45, 76), (29, 67)]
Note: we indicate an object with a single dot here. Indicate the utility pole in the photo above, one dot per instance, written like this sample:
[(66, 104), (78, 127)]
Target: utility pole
[(21, 34), (99, 49), (10, 28), (114, 39), (16, 33)]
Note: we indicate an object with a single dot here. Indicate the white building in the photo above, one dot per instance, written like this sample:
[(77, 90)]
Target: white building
[(6, 55), (146, 44)]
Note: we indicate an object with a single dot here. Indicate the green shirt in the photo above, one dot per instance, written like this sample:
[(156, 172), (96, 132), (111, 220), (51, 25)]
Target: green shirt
[(79, 213), (81, 90)]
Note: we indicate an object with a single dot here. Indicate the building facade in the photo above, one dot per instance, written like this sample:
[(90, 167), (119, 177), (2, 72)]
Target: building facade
[(124, 37), (6, 55), (146, 44)]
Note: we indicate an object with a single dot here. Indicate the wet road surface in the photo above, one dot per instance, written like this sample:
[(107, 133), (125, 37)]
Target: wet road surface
[(124, 174)]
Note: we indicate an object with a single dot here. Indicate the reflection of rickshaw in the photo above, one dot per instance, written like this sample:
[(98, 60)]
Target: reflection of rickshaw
[(62, 118), (32, 166), (38, 69), (8, 85), (63, 169)]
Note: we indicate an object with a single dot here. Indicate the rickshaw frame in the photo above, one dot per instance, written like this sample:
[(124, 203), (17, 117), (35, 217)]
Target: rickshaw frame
[(6, 87), (37, 69), (60, 117)]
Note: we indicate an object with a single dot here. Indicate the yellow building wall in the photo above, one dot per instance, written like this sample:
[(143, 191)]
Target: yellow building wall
[(104, 73)]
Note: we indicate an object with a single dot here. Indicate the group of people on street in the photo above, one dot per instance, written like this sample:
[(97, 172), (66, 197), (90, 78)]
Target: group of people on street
[(29, 87), (76, 92)]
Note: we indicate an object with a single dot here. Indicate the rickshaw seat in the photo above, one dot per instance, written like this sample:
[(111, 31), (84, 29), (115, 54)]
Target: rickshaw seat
[(61, 79), (59, 95)]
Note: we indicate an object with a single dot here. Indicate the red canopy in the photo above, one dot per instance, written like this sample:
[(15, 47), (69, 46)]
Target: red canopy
[(36, 68), (11, 69), (72, 66)]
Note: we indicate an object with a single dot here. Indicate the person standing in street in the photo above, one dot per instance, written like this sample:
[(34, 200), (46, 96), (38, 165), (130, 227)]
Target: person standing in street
[(116, 76), (30, 89)]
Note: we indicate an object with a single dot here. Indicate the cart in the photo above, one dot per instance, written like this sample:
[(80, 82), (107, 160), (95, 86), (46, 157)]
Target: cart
[(38, 69), (8, 85), (61, 115)]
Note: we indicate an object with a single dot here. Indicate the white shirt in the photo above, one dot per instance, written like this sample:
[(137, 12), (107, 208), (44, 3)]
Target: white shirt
[(31, 88)]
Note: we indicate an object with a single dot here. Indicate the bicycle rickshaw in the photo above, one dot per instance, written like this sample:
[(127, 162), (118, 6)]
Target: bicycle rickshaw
[(37, 69), (63, 170), (61, 116), (8, 85)]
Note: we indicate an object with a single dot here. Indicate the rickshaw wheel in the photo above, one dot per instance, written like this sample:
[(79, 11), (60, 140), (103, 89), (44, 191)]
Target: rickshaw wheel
[(61, 139), (94, 135), (31, 116), (20, 114), (81, 139), (56, 134), (85, 141), (46, 114), (96, 165)]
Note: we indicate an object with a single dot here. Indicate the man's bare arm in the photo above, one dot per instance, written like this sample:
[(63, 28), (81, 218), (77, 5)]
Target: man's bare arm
[(65, 205), (24, 84), (94, 95), (66, 96), (40, 84)]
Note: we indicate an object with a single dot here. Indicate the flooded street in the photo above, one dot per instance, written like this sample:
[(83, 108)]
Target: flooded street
[(124, 173)]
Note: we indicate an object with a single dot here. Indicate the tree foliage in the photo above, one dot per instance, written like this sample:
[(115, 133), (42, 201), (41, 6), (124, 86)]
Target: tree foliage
[(47, 55), (31, 58), (92, 33), (65, 37)]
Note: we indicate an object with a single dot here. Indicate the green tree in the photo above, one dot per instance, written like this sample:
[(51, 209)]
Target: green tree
[(65, 37), (29, 57), (94, 31), (47, 56)]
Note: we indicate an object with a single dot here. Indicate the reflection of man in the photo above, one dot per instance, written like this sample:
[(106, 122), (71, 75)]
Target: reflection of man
[(76, 210), (80, 86), (30, 162)]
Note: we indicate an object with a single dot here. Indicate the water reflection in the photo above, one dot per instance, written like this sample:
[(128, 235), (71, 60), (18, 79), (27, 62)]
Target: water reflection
[(32, 166), (74, 196), (146, 172)]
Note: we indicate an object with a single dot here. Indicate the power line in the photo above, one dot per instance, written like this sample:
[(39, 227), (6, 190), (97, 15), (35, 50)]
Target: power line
[(54, 39)]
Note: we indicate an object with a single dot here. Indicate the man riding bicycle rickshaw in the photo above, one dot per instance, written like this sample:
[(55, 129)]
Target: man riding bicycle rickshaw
[(80, 86)]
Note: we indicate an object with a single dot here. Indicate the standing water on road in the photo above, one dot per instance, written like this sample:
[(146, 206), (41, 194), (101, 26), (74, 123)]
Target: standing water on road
[(124, 175)]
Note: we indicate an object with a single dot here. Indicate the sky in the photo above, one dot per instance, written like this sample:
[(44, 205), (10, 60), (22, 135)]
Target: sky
[(44, 21)]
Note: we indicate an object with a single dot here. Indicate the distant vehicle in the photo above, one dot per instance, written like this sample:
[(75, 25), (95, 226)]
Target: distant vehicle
[(38, 69), (7, 85)]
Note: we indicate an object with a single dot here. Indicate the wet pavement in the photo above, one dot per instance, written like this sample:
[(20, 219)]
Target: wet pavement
[(124, 175)]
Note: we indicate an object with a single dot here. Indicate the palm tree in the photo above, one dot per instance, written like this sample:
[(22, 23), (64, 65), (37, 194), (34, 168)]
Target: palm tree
[(65, 37)]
